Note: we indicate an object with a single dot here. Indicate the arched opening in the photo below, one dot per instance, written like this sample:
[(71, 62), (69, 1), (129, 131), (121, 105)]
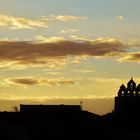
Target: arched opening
[(131, 86), (134, 93), (122, 93), (128, 93), (138, 93)]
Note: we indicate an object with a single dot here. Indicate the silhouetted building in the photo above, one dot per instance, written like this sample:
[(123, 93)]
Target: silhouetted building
[(128, 100), (53, 122), (50, 108)]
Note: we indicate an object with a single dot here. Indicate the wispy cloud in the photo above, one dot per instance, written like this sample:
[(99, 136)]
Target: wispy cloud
[(12, 22), (68, 31), (131, 57), (62, 18), (44, 99), (53, 39), (30, 81)]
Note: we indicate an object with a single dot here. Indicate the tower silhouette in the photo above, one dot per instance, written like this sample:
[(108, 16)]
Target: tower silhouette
[(128, 100)]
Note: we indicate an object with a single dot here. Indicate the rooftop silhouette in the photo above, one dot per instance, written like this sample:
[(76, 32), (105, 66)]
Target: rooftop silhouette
[(49, 108)]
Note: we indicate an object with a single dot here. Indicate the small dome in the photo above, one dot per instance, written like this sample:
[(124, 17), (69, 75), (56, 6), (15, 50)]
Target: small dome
[(122, 86)]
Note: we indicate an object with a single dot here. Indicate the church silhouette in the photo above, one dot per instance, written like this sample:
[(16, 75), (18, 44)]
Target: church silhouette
[(128, 100)]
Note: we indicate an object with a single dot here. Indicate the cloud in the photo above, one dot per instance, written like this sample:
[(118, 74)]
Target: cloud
[(68, 31), (76, 37), (131, 57), (107, 81), (85, 70), (30, 81), (20, 22), (32, 53), (62, 18), (52, 39), (12, 22), (135, 43), (22, 81)]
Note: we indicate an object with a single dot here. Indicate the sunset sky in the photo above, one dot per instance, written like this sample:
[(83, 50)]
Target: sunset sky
[(67, 49)]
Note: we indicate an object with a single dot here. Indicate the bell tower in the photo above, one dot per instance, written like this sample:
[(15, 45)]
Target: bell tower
[(128, 99), (131, 88)]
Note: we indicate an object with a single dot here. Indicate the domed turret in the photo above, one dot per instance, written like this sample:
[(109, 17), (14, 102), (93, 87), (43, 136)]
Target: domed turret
[(122, 90), (131, 84), (122, 87)]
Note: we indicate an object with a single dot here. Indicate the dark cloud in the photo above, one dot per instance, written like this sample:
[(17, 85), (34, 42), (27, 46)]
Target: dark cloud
[(24, 81), (40, 81), (39, 53)]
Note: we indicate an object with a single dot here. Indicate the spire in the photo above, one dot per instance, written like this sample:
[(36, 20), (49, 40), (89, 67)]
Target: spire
[(131, 81)]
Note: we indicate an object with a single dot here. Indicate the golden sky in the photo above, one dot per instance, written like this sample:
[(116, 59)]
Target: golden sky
[(67, 50)]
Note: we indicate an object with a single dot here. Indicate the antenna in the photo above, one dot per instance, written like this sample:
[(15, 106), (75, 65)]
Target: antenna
[(81, 103)]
